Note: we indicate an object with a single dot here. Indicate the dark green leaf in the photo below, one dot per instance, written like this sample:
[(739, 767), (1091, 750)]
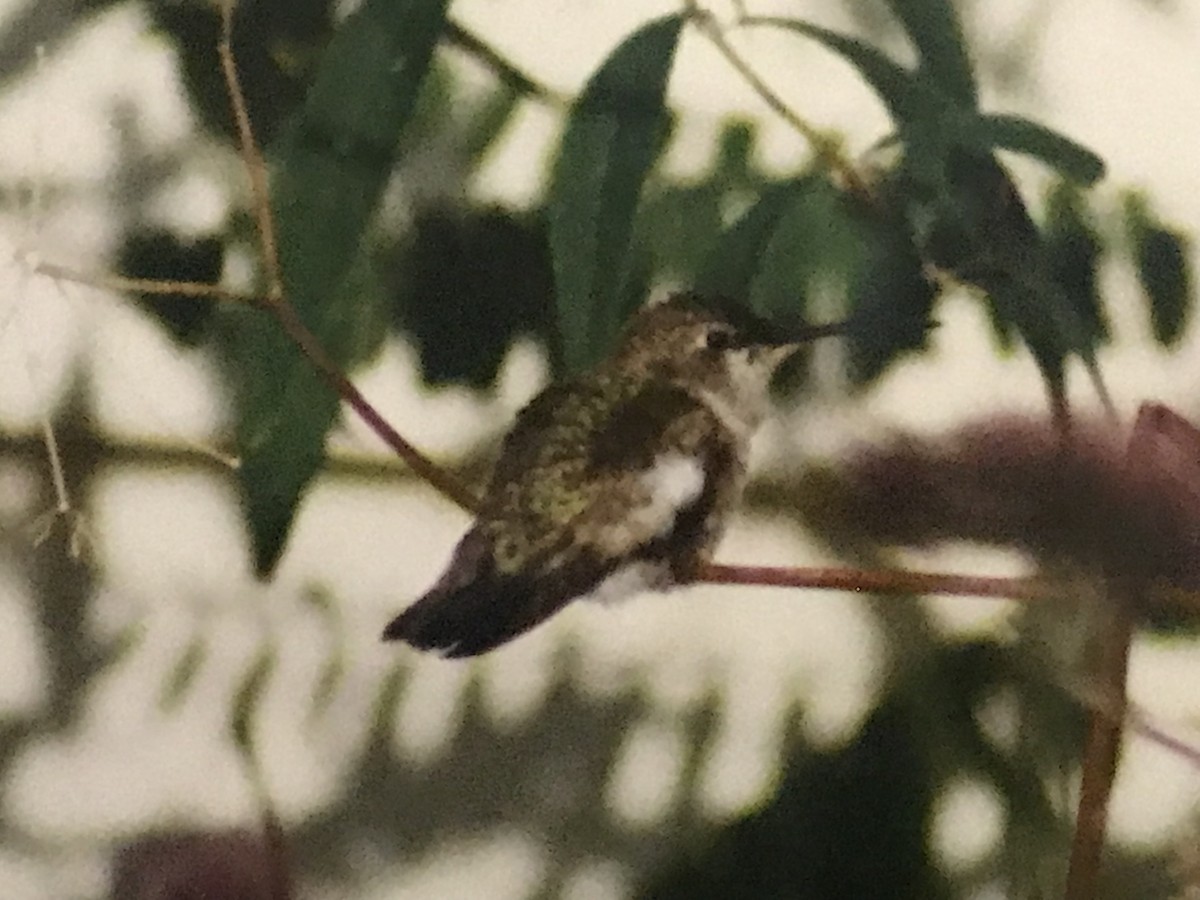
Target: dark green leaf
[(1162, 265), (468, 284), (489, 120), (276, 45), (160, 255), (737, 257), (1073, 250), (816, 245), (183, 674), (965, 213), (333, 165), (934, 29), (1160, 255), (1023, 136), (681, 222), (613, 136), (248, 697), (891, 302), (896, 86)]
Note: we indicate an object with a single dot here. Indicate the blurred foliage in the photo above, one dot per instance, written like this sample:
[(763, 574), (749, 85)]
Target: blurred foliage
[(277, 44), (157, 254), (334, 161), (467, 284), (351, 112), (615, 132)]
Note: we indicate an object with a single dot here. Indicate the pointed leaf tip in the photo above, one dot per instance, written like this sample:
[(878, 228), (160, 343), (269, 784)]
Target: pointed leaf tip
[(333, 164), (613, 136)]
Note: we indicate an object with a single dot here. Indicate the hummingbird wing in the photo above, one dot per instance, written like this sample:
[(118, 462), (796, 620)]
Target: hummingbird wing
[(683, 470), (556, 523)]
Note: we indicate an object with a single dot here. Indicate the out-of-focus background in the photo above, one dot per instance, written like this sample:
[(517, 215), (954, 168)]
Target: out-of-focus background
[(668, 746)]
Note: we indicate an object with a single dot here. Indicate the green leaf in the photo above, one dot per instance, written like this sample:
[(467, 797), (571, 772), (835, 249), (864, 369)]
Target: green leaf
[(248, 697), (1160, 256), (488, 122), (1023, 136), (1073, 251), (613, 136), (332, 167), (816, 247), (332, 674), (334, 668), (472, 281), (934, 29), (737, 257), (897, 87), (891, 301), (1163, 269), (183, 674)]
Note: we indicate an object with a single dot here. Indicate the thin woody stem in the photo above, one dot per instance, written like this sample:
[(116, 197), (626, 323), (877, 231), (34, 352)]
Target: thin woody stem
[(504, 69), (425, 468), (276, 301), (825, 148), (148, 285), (253, 156)]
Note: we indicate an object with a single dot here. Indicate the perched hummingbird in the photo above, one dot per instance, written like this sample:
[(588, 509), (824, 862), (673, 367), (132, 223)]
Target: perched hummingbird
[(617, 481)]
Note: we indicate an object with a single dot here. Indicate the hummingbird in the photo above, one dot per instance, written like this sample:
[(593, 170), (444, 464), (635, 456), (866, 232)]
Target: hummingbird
[(613, 483)]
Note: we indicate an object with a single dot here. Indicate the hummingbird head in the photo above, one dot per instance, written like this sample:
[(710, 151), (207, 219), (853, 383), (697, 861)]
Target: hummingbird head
[(711, 347)]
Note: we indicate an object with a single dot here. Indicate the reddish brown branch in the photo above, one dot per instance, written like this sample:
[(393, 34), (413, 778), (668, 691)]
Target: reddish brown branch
[(422, 465), (256, 166), (884, 581)]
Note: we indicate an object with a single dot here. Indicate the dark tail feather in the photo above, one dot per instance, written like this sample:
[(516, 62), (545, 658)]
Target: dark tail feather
[(462, 623), (471, 609)]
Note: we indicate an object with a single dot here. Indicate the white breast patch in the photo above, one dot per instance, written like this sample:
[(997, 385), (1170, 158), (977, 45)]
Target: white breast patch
[(627, 581), (673, 482)]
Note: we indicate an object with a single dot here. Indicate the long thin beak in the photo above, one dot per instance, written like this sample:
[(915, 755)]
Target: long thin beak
[(802, 337), (806, 333)]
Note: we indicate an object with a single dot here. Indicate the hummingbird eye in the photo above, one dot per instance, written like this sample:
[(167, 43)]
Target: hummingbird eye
[(719, 339)]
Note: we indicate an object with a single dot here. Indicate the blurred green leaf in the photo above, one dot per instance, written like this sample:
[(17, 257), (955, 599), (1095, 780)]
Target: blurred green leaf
[(276, 44), (489, 120), (468, 283), (613, 136), (934, 29), (1023, 136), (735, 260), (328, 681), (891, 301), (901, 91), (160, 255), (124, 643), (333, 165), (1161, 257), (333, 670), (815, 247), (939, 99), (248, 697), (183, 674), (1163, 268), (1073, 250), (680, 223)]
